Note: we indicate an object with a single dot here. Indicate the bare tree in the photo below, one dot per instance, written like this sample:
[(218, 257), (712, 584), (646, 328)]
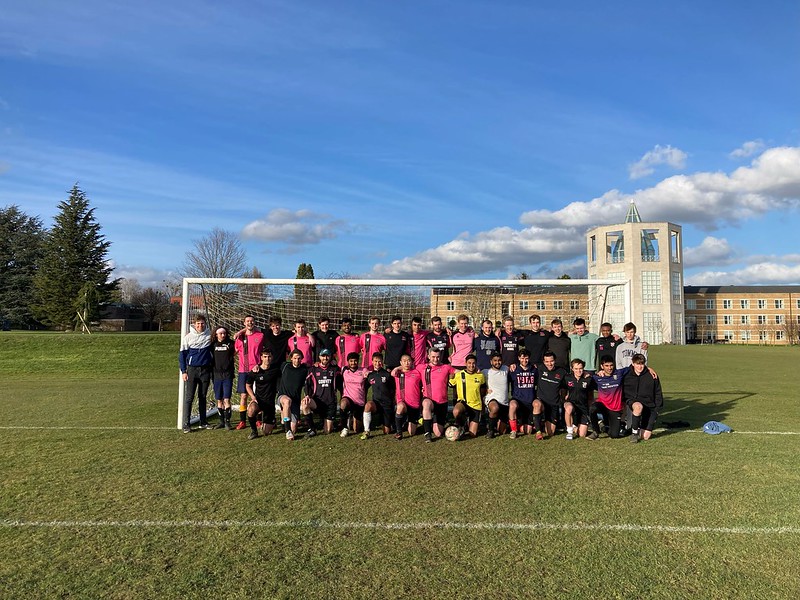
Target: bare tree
[(219, 254), (129, 289), (156, 306)]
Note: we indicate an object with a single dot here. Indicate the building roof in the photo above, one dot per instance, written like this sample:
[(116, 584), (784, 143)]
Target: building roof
[(522, 288), (633, 214), (741, 289)]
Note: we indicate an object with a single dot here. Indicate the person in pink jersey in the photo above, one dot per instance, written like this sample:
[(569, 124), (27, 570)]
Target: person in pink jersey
[(347, 342), (417, 345), (463, 342), (302, 341), (248, 342), (354, 395), (435, 381), (371, 342), (408, 397)]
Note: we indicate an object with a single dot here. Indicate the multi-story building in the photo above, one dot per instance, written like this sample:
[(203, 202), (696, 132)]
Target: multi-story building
[(743, 314)]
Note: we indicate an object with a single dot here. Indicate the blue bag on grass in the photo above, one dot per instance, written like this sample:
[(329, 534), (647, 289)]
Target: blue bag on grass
[(715, 427)]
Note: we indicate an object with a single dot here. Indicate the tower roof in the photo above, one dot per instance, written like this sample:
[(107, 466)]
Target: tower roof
[(633, 214)]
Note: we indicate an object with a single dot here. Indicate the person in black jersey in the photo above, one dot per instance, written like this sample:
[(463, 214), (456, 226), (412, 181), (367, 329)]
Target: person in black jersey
[(510, 341), (262, 385), (290, 391), (325, 339), (559, 344), (321, 385), (224, 353), (381, 382), (397, 343), (439, 337), (580, 394), (605, 344), (535, 339), (276, 341), (549, 394)]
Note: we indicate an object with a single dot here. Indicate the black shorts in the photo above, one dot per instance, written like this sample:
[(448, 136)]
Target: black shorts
[(550, 412), (648, 418), (580, 415), (440, 412), (413, 414), (386, 412), (524, 412), (473, 414), (502, 411), (267, 411), (357, 411), (326, 411)]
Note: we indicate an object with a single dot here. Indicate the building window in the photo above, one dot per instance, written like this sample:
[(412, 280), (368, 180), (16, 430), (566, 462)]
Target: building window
[(779, 320), (727, 335), (675, 246), (744, 304), (558, 305), (523, 321), (651, 287), (505, 308), (762, 304), (615, 293), (615, 247), (450, 305), (574, 304), (779, 304), (653, 327), (677, 288), (745, 320), (540, 304), (727, 304), (711, 319), (779, 335), (691, 304), (593, 249), (649, 244), (798, 304), (677, 329), (762, 336), (745, 336), (467, 306), (523, 305), (727, 320), (761, 319), (709, 304)]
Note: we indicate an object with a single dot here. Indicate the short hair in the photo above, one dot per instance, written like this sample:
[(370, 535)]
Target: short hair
[(556, 322), (495, 354), (433, 349), (377, 355), (266, 351), (609, 325), (524, 352), (462, 317), (374, 318), (489, 321), (436, 319), (607, 358), (352, 355), (347, 320), (470, 357), (508, 318), (396, 318), (534, 318), (629, 327), (578, 361), (549, 354), (297, 352), (244, 318), (579, 321), (275, 320), (300, 322), (638, 359), (199, 317), (322, 319), (417, 320)]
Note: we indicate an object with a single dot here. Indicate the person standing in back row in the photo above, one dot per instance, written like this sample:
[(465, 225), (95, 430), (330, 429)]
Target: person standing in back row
[(195, 361)]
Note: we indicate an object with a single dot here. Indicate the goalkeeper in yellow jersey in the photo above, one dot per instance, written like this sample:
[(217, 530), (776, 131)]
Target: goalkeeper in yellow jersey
[(470, 385)]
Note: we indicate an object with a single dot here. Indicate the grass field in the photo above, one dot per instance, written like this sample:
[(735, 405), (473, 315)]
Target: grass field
[(103, 497)]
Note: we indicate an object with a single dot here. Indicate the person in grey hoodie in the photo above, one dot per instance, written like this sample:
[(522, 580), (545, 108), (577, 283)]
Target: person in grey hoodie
[(629, 345), (196, 362)]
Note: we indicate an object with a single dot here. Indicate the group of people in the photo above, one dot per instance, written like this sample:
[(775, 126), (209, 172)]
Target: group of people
[(521, 382)]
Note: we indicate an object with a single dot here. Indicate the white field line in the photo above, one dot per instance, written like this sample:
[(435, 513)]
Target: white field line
[(412, 525)]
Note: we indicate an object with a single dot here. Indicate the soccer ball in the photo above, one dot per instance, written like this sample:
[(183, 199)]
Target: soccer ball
[(452, 433)]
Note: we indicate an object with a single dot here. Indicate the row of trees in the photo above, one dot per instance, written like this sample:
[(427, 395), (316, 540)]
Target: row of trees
[(59, 276)]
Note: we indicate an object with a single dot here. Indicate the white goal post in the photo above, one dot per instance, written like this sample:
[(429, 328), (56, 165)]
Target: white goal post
[(225, 302)]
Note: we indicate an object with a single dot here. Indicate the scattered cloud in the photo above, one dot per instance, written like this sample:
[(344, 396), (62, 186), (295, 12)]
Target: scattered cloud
[(659, 155), (296, 229), (711, 251), (146, 276), (772, 273), (747, 149)]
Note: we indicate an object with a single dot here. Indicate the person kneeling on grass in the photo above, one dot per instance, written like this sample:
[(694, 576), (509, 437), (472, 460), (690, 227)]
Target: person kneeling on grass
[(580, 392), (642, 393), (261, 386), (408, 397), (290, 391), (609, 396), (382, 384), (549, 395), (523, 394), (353, 395), (496, 395), (470, 389), (435, 378), (321, 385)]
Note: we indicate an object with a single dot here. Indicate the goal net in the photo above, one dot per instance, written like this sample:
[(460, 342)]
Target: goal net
[(225, 303)]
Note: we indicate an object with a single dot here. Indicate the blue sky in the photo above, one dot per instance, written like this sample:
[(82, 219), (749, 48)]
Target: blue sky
[(409, 139)]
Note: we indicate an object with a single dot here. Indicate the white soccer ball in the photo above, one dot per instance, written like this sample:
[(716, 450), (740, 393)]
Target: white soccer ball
[(452, 433)]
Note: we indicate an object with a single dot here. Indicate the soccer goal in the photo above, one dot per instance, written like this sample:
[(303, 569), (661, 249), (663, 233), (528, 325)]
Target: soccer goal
[(225, 302)]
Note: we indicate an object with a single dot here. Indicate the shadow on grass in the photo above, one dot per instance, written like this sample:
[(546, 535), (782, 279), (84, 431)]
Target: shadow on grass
[(697, 409)]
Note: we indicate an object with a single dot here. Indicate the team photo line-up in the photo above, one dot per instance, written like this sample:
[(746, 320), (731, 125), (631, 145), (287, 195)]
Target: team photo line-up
[(524, 382)]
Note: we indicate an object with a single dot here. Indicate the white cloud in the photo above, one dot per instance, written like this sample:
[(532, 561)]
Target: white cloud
[(747, 149), (706, 200), (659, 155), (711, 251), (146, 276), (294, 228), (774, 273)]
